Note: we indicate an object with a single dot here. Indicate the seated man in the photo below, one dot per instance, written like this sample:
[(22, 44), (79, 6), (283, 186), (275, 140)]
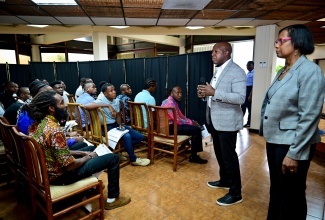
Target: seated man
[(86, 97), (145, 96), (47, 109), (113, 120), (185, 126), (126, 92), (7, 97), (57, 87), (11, 113)]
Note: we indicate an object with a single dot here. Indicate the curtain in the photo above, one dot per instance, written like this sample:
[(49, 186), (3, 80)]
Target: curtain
[(19, 74), (117, 76), (156, 68), (84, 69), (68, 73), (99, 72), (177, 76), (3, 76), (134, 69), (199, 65), (42, 70)]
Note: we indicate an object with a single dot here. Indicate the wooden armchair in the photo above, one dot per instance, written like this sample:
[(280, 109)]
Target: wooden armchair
[(161, 137), (45, 196), (122, 110), (137, 121), (97, 130), (71, 98), (75, 114)]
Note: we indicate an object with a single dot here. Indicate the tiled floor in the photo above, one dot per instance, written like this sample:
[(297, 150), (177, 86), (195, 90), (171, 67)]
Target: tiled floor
[(159, 193)]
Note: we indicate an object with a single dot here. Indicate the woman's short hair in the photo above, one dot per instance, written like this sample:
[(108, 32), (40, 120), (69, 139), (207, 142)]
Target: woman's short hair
[(301, 38)]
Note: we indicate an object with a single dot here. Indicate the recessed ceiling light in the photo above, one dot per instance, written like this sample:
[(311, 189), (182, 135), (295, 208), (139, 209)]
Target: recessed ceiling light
[(322, 27), (322, 19), (120, 27), (194, 27), (55, 2), (37, 25)]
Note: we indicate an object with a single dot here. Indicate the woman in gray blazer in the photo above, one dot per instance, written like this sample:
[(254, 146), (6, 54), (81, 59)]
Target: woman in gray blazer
[(289, 122)]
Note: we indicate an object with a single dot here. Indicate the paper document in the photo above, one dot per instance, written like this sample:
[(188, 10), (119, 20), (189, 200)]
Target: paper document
[(204, 132), (69, 125), (102, 149), (114, 135)]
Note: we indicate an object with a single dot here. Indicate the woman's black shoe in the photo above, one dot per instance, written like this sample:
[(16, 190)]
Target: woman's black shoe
[(197, 159)]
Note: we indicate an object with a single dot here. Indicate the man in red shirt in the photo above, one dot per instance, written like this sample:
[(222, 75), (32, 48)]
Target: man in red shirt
[(185, 126)]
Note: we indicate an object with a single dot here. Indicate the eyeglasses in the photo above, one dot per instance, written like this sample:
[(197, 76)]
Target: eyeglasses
[(281, 41)]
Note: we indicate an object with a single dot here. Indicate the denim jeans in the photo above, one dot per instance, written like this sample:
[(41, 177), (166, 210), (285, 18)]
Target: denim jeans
[(130, 138), (111, 162)]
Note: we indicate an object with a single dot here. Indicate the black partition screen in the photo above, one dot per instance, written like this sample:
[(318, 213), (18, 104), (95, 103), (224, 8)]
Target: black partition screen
[(84, 69), (177, 76), (19, 74), (42, 70), (3, 76), (199, 65), (99, 71), (117, 76), (156, 68), (68, 73), (134, 69)]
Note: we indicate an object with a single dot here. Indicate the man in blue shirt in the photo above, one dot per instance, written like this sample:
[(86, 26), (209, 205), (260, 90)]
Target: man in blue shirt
[(249, 90), (86, 97), (113, 120), (146, 96), (126, 91)]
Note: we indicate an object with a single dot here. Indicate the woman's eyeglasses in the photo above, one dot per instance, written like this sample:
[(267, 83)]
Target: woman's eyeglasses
[(281, 41)]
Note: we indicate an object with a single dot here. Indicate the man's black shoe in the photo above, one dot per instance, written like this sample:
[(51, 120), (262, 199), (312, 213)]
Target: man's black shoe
[(197, 159), (247, 125), (229, 200), (218, 184)]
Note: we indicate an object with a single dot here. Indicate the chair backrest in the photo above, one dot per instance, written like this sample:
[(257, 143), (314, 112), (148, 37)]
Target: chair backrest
[(96, 128), (122, 111), (159, 123), (75, 114), (13, 149), (137, 116), (71, 98), (36, 164)]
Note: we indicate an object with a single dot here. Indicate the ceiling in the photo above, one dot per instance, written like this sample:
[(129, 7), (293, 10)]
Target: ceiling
[(159, 17)]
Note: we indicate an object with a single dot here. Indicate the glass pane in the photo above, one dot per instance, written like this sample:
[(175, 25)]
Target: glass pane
[(50, 57), (23, 59), (73, 57), (7, 56)]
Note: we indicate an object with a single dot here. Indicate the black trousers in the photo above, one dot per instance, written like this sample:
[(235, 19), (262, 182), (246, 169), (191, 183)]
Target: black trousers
[(247, 104), (194, 131), (224, 143), (287, 191)]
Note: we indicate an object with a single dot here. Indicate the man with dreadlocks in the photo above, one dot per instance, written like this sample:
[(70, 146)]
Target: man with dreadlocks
[(145, 95), (47, 109)]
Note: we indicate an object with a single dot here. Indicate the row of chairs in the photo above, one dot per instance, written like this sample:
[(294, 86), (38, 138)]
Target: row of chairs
[(27, 163), (157, 132)]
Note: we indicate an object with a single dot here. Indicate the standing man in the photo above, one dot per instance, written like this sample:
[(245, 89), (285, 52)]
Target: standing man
[(126, 92), (145, 95), (225, 93), (185, 126), (249, 90)]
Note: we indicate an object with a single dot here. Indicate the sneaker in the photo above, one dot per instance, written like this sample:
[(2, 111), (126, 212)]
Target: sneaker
[(141, 162), (197, 159), (229, 200), (120, 201), (218, 184)]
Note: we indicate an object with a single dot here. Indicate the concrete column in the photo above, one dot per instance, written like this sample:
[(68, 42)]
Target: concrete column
[(264, 68), (182, 48), (100, 46), (36, 54)]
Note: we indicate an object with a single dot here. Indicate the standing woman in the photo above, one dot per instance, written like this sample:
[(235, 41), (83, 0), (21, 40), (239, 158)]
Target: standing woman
[(289, 123)]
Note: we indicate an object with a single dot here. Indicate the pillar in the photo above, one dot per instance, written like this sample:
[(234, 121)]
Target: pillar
[(36, 54), (100, 46), (264, 68)]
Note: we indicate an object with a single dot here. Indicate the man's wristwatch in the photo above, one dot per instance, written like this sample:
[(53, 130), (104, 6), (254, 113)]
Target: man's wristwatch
[(91, 157)]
